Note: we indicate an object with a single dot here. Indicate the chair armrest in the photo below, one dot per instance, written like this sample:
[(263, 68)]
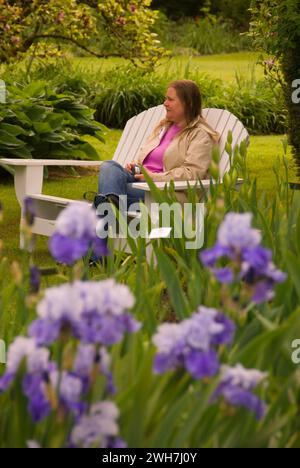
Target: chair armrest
[(179, 185), (48, 162)]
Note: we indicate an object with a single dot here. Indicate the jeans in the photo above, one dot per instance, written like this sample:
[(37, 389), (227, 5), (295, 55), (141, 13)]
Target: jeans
[(113, 180)]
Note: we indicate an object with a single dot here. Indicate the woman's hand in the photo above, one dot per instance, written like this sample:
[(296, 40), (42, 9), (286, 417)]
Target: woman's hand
[(140, 177), (130, 166)]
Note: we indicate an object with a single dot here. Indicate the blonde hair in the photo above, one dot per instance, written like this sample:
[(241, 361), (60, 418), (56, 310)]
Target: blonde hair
[(189, 95)]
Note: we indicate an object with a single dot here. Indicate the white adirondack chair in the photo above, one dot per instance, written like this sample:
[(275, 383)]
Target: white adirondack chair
[(28, 177)]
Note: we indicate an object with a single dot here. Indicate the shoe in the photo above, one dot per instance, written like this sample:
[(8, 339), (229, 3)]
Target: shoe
[(114, 199), (98, 199)]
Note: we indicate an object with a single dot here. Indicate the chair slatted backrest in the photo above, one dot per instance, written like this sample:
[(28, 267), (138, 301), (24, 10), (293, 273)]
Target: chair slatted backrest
[(136, 132), (223, 121), (139, 127)]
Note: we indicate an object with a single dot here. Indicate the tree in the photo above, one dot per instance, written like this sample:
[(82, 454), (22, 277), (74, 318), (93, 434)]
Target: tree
[(175, 9), (26, 25), (129, 24), (275, 28), (233, 10)]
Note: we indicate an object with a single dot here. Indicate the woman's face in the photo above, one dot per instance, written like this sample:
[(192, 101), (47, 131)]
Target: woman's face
[(174, 107)]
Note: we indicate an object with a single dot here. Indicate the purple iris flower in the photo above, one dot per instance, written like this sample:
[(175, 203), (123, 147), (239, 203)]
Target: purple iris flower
[(75, 234), (238, 256), (192, 344), (237, 385)]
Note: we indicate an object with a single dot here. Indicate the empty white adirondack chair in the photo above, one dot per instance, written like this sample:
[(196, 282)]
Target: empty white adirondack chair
[(28, 177)]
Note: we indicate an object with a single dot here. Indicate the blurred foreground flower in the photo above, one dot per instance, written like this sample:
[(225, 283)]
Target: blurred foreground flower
[(192, 344), (34, 279), (94, 312), (99, 428), (75, 234), (236, 387), (238, 245), (76, 321)]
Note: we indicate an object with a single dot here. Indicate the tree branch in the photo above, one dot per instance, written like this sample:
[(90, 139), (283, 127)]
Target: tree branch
[(70, 39)]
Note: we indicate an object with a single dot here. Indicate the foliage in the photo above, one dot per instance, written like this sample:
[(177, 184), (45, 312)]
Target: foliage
[(130, 25), (257, 103), (176, 9), (30, 27), (202, 35), (124, 91), (25, 23), (275, 28), (275, 25), (127, 92), (234, 10), (36, 122)]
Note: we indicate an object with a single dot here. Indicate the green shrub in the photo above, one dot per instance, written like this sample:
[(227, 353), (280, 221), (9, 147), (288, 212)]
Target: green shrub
[(203, 35), (235, 10), (256, 103), (37, 122), (211, 37), (176, 8), (126, 92), (60, 74), (120, 93)]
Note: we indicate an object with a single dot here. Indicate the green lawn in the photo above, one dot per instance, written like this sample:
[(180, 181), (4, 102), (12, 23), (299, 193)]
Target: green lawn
[(262, 152), (223, 66)]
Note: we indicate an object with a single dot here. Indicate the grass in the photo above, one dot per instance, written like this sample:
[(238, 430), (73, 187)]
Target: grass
[(223, 66), (262, 154)]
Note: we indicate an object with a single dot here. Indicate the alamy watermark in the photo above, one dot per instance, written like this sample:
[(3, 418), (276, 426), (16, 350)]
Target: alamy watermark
[(296, 352), (160, 220), (296, 93), (2, 352), (2, 92)]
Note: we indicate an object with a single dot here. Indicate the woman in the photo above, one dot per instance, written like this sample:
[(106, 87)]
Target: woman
[(179, 148)]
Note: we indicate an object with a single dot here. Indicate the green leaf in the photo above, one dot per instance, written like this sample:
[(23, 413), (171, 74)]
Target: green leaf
[(10, 141), (169, 274), (42, 127), (35, 89), (24, 152), (293, 266), (36, 113), (14, 130), (89, 151)]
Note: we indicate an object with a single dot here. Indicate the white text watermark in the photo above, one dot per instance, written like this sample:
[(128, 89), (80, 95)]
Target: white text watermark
[(2, 352), (296, 93), (296, 352), (160, 220), (2, 92)]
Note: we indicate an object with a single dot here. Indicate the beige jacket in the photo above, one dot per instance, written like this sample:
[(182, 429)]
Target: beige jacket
[(188, 156)]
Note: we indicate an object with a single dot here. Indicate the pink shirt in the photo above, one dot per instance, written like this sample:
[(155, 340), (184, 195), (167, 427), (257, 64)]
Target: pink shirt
[(154, 160)]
